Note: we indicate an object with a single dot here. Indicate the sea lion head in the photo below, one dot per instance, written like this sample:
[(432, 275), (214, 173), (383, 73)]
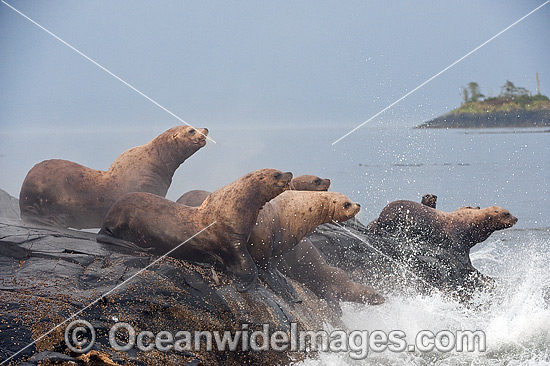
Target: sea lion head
[(343, 208), (499, 218), (274, 181), (181, 142), (429, 200), (188, 135), (310, 183)]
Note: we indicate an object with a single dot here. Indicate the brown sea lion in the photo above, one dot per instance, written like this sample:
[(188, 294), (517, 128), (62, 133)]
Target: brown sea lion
[(193, 198), (196, 197), (309, 183), (147, 220), (283, 223), (66, 194), (467, 226), (290, 216), (429, 200), (305, 264)]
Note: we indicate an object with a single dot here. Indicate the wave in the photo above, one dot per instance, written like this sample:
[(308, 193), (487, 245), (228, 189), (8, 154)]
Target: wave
[(515, 316)]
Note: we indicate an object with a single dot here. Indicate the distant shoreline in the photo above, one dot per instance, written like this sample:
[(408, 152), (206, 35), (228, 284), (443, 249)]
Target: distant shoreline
[(504, 132), (513, 118), (500, 112)]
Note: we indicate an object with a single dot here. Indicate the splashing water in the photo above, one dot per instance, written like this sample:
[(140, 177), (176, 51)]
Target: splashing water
[(514, 317)]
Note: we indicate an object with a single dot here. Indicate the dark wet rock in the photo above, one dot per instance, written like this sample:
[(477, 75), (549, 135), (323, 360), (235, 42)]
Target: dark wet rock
[(52, 357), (396, 265), (49, 274)]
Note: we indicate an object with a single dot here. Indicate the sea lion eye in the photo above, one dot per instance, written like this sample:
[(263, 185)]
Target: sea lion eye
[(277, 175), (317, 181), (347, 205), (191, 131)]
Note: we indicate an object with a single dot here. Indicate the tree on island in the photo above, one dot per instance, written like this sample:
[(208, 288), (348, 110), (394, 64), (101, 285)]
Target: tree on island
[(475, 95), (509, 90), (471, 93), (465, 96)]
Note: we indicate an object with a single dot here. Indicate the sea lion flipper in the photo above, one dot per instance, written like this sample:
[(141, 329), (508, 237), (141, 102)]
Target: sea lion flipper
[(242, 266), (105, 238)]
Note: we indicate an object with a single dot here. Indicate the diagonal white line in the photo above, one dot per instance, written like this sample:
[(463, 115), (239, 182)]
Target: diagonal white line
[(439, 73), (104, 69), (102, 296)]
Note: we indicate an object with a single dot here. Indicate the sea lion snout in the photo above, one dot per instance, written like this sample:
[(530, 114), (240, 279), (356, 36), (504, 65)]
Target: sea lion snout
[(502, 218), (347, 208), (512, 221), (357, 208), (201, 135)]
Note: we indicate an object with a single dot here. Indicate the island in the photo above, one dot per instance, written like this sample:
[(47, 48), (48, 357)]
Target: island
[(513, 107)]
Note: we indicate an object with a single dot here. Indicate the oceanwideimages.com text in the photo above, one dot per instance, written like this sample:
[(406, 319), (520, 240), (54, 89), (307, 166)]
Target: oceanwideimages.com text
[(80, 337)]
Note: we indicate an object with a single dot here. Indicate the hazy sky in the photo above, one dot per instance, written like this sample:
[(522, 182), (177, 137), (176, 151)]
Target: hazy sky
[(242, 66)]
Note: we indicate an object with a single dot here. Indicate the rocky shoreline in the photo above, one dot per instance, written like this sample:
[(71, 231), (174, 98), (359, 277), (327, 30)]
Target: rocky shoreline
[(513, 118), (49, 274)]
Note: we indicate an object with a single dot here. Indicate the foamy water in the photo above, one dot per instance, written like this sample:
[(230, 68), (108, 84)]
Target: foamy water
[(514, 317)]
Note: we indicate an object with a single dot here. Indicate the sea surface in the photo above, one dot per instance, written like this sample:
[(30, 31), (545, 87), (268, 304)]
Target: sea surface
[(374, 166), (505, 167)]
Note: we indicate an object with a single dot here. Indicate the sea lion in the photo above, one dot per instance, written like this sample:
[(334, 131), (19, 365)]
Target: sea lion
[(282, 224), (305, 264), (196, 197), (309, 183), (66, 194), (429, 200), (147, 220), (466, 226), (193, 198)]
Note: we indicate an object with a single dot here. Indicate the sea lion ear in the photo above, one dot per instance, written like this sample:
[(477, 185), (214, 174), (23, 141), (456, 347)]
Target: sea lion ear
[(175, 135)]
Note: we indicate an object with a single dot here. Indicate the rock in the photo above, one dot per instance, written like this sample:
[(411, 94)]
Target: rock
[(395, 265), (50, 274), (9, 206), (512, 118)]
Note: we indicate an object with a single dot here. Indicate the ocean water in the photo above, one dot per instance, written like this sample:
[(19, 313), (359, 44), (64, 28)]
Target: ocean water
[(374, 166), (505, 167), (514, 317)]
